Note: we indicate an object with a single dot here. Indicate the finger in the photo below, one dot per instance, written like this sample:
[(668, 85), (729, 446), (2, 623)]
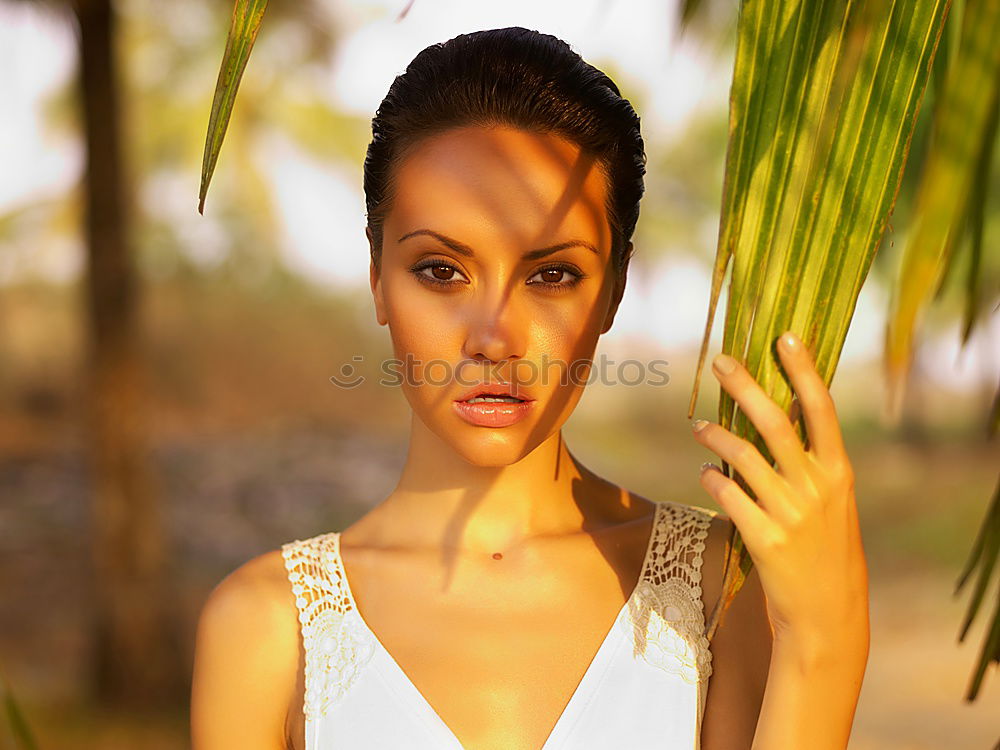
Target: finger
[(770, 487), (770, 419), (815, 401), (753, 523)]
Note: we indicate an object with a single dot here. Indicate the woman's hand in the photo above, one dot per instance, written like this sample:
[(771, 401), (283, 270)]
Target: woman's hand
[(804, 535)]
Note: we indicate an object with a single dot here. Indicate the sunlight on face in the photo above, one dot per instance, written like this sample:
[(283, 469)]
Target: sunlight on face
[(496, 267)]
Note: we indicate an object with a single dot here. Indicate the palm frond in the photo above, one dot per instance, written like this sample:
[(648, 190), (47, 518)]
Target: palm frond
[(823, 104), (963, 134), (247, 15), (985, 553), (977, 214), (950, 205)]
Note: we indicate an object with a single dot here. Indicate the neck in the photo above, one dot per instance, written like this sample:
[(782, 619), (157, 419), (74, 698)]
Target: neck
[(444, 501)]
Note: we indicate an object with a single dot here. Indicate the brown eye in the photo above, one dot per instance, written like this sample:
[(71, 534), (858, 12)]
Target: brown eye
[(556, 278), (444, 273), (552, 275), (436, 272)]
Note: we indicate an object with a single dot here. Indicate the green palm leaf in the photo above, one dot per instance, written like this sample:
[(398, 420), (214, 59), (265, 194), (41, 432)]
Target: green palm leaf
[(977, 213), (247, 15), (950, 203), (947, 205), (985, 554), (822, 108)]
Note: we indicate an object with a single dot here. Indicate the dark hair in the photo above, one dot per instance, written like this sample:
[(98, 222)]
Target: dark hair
[(512, 77)]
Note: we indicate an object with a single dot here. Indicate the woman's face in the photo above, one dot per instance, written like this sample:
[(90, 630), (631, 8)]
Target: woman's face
[(496, 269)]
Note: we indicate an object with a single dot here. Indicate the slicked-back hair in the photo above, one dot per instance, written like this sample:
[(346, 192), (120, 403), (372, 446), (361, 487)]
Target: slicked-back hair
[(512, 77)]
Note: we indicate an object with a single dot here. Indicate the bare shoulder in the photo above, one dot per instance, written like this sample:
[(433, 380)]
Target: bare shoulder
[(741, 650), (246, 659)]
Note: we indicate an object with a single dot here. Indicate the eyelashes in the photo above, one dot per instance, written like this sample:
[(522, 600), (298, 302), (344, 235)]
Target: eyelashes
[(557, 286)]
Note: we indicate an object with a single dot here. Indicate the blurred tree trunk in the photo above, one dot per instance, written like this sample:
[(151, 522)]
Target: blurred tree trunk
[(136, 660)]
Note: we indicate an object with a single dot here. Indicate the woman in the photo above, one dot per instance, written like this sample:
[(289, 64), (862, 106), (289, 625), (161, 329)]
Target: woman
[(475, 605)]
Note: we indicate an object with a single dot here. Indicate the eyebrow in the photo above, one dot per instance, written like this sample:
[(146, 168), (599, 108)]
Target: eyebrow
[(462, 249)]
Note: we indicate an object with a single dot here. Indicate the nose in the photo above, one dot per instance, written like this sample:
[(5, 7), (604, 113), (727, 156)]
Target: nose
[(495, 332)]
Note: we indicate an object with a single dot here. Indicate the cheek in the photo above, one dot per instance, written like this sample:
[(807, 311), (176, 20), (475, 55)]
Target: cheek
[(570, 331), (419, 335), (426, 341), (418, 325)]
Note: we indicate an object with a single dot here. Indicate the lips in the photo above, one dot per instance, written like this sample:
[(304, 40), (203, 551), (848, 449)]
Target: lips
[(493, 414), (494, 390)]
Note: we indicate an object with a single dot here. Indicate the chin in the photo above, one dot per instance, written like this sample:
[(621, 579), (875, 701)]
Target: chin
[(480, 453), (488, 447)]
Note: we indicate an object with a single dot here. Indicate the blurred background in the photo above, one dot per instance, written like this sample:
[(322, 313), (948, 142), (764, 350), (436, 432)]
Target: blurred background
[(213, 369)]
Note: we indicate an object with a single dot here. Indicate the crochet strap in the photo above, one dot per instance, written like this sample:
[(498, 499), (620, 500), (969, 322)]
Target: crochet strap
[(336, 646)]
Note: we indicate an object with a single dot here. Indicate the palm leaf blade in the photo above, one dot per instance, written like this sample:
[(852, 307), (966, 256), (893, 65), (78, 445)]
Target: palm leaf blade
[(823, 105), (247, 15), (985, 552), (962, 122)]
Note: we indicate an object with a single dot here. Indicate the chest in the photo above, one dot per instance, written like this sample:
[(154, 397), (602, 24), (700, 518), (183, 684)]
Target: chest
[(500, 661), (517, 667), (515, 684), (518, 642)]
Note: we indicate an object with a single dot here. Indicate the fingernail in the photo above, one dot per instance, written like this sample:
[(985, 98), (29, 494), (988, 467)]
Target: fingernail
[(790, 340), (699, 424), (724, 363), (706, 466)]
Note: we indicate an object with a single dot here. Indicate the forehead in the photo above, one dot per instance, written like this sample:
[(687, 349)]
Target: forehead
[(477, 181)]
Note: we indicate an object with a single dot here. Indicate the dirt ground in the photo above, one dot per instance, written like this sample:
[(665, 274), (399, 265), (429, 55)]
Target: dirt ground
[(918, 672)]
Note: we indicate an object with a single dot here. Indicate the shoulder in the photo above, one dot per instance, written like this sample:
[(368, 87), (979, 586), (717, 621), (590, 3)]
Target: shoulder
[(246, 658), (260, 586), (741, 649)]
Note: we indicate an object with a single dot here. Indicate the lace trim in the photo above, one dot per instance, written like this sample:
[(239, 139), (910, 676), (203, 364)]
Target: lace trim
[(666, 612), (335, 647)]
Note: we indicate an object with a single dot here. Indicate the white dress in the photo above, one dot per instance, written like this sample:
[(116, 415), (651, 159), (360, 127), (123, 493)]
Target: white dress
[(644, 688)]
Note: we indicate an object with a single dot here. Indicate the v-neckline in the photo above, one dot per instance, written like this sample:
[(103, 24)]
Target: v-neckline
[(583, 683)]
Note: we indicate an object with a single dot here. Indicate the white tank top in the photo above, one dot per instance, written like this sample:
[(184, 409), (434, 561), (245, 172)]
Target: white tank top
[(644, 688)]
